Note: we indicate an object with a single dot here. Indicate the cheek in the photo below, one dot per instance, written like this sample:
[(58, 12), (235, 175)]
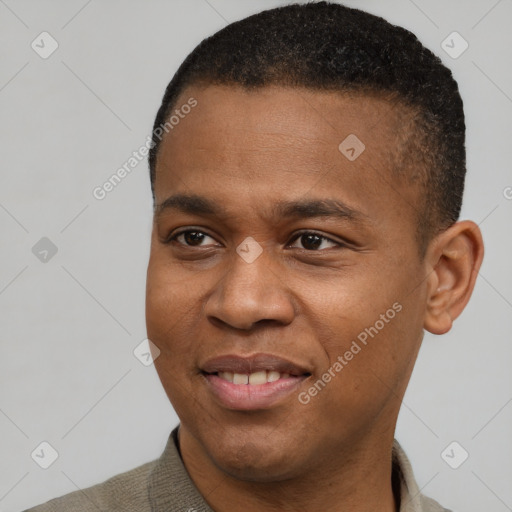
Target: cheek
[(375, 327), (168, 327), (374, 355), (170, 303)]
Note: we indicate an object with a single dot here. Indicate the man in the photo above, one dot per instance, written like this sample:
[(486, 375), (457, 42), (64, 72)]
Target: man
[(307, 173)]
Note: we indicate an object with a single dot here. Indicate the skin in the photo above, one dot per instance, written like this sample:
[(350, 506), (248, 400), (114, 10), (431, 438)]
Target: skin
[(245, 151)]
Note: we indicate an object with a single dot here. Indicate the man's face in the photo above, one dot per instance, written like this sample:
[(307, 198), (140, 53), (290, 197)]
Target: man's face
[(319, 283)]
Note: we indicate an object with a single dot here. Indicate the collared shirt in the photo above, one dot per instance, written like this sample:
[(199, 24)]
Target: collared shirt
[(164, 485)]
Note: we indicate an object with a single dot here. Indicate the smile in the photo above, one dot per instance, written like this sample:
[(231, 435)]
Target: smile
[(250, 383), (254, 379)]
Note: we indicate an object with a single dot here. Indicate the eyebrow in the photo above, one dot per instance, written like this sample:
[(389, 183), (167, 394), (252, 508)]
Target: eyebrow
[(302, 209)]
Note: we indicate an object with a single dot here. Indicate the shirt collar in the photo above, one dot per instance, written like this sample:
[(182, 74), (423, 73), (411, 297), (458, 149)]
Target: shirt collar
[(170, 487), (410, 496)]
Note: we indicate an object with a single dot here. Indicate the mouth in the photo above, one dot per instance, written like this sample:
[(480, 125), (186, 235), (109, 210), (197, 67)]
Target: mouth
[(254, 379), (250, 383)]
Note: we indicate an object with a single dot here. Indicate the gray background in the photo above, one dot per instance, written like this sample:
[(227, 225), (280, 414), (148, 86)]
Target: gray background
[(69, 325)]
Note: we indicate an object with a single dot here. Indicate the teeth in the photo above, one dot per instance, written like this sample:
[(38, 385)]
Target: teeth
[(226, 376), (273, 376), (240, 378), (256, 378)]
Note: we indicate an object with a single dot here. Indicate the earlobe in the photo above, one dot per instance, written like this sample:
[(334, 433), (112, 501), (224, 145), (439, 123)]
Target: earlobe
[(455, 257)]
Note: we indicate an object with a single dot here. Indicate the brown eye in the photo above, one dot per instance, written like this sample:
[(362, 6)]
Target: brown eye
[(312, 241), (190, 238), (193, 237)]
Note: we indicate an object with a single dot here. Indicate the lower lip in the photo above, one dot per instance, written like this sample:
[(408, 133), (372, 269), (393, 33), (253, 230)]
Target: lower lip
[(247, 397)]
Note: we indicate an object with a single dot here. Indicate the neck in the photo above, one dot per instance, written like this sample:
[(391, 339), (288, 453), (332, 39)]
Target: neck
[(356, 480)]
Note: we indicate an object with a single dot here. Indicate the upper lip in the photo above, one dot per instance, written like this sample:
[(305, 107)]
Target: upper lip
[(251, 364)]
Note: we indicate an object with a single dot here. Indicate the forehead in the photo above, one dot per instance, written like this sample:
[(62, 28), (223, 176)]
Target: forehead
[(311, 116), (281, 141)]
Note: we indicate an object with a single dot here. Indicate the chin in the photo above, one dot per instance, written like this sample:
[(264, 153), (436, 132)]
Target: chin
[(253, 465), (256, 460)]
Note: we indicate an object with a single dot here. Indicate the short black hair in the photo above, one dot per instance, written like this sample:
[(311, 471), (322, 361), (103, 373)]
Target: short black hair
[(326, 46)]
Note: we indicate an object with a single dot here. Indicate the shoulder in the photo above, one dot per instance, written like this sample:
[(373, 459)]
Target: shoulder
[(125, 492)]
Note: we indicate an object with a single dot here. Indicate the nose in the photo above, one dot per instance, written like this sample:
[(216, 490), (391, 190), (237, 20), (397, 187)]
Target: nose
[(251, 293)]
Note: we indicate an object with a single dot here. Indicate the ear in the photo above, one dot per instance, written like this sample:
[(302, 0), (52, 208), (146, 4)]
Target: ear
[(455, 257)]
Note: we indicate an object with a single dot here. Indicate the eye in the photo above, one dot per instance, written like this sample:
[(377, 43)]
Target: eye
[(190, 237), (313, 241)]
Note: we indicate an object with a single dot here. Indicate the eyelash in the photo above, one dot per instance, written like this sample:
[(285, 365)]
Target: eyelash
[(297, 235)]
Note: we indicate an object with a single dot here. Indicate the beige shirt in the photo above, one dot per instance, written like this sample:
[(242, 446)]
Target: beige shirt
[(164, 485)]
